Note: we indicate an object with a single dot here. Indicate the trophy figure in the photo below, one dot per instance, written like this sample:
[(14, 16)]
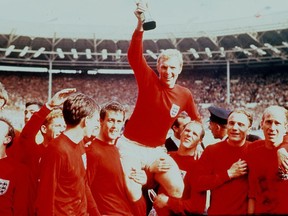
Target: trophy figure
[(147, 20)]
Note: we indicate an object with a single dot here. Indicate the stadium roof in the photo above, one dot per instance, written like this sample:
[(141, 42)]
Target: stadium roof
[(67, 32), (114, 19)]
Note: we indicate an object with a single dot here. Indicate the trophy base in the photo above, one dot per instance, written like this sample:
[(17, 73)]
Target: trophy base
[(149, 25)]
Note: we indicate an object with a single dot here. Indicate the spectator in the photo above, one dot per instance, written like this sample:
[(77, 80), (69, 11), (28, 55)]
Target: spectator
[(251, 89)]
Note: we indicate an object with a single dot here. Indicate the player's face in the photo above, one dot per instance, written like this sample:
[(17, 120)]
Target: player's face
[(169, 70), (191, 135), (29, 111), (56, 127), (111, 126), (3, 133), (237, 127), (91, 124), (274, 127), (182, 122)]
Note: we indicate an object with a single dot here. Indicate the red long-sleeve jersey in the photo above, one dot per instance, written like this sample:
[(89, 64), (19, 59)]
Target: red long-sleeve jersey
[(266, 184), (63, 187), (13, 188), (192, 201), (157, 106), (228, 196), (106, 179)]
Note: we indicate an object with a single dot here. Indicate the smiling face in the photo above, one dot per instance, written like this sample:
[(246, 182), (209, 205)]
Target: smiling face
[(111, 126), (274, 125), (237, 128), (192, 135), (169, 66)]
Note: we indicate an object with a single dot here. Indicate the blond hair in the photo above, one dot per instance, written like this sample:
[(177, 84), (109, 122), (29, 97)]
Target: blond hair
[(169, 53)]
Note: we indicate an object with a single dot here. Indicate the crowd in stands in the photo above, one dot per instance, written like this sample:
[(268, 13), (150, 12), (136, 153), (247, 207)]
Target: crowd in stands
[(257, 89)]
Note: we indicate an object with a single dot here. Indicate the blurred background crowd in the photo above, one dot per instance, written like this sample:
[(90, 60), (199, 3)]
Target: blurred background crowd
[(251, 89)]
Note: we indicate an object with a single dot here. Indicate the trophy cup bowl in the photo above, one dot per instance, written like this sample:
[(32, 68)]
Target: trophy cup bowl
[(148, 22)]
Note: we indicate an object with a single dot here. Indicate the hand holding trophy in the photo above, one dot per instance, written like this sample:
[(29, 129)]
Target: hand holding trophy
[(147, 21)]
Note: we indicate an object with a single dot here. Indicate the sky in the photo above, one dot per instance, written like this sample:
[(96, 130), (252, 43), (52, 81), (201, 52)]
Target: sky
[(116, 19)]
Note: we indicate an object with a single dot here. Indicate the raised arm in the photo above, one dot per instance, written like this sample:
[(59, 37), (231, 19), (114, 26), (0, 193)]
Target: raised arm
[(136, 58), (141, 8), (59, 98), (32, 127)]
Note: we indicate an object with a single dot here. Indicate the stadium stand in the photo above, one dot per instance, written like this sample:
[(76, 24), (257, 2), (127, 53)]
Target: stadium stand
[(252, 88)]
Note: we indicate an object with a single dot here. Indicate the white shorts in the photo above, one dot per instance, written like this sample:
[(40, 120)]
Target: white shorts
[(137, 154)]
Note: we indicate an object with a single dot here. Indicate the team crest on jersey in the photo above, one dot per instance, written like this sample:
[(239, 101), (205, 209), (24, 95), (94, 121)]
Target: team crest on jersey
[(183, 173), (174, 110), (4, 184)]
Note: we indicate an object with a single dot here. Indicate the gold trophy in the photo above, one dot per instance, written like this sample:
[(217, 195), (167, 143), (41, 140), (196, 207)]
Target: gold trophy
[(147, 21)]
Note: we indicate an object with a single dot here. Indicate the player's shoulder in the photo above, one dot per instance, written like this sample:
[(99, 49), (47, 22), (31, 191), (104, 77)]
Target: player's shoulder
[(182, 89), (216, 147), (253, 146)]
